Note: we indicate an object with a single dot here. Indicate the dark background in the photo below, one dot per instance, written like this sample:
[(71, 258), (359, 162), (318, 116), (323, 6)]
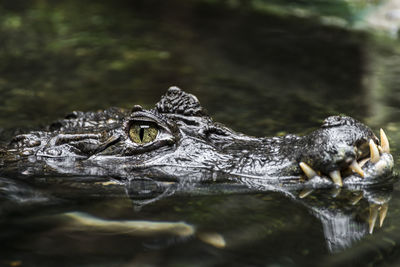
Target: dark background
[(260, 67)]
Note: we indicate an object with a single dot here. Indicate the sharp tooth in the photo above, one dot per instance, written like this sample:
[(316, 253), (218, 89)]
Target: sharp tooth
[(310, 173), (336, 177), (356, 168), (384, 142), (356, 199), (305, 192), (373, 214), (363, 161), (382, 213), (374, 153), (335, 191)]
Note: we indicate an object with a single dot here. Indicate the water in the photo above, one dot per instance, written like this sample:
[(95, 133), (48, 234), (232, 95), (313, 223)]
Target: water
[(258, 73)]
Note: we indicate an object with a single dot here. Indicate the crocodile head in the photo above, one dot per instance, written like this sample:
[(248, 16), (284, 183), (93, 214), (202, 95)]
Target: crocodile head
[(178, 141)]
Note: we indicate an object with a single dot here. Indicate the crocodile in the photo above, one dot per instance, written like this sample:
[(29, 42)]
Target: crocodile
[(178, 139), (176, 148)]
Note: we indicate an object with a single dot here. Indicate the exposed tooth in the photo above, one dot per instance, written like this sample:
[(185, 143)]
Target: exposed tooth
[(305, 192), (384, 142), (363, 161), (310, 173), (335, 191), (356, 168), (374, 153), (373, 214), (336, 177), (356, 199), (382, 213)]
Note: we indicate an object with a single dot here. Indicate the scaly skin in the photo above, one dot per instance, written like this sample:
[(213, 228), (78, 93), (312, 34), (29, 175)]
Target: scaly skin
[(189, 145), (191, 153)]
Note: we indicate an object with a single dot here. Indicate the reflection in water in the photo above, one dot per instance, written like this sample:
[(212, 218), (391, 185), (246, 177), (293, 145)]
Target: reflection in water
[(346, 214), (50, 206)]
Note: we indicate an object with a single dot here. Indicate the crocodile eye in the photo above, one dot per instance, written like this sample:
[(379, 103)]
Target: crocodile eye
[(143, 132)]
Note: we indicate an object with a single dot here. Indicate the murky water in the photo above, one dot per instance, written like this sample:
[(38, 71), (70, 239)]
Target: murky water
[(255, 72)]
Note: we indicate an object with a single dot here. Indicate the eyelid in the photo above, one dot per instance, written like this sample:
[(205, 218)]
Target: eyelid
[(159, 126), (146, 117)]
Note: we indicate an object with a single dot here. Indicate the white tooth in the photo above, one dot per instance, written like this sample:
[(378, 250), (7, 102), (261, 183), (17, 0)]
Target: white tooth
[(384, 142), (335, 191), (336, 177), (374, 153), (305, 192), (382, 213), (356, 168), (356, 199), (363, 161), (373, 214), (310, 173)]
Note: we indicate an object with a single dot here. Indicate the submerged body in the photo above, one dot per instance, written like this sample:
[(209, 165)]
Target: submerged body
[(178, 141)]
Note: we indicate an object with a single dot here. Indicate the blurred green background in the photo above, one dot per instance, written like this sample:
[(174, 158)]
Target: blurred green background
[(261, 67)]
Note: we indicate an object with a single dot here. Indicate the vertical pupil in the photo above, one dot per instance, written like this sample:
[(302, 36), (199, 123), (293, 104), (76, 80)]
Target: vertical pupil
[(141, 134)]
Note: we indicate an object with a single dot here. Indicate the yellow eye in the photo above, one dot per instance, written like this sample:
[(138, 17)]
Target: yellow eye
[(143, 132)]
